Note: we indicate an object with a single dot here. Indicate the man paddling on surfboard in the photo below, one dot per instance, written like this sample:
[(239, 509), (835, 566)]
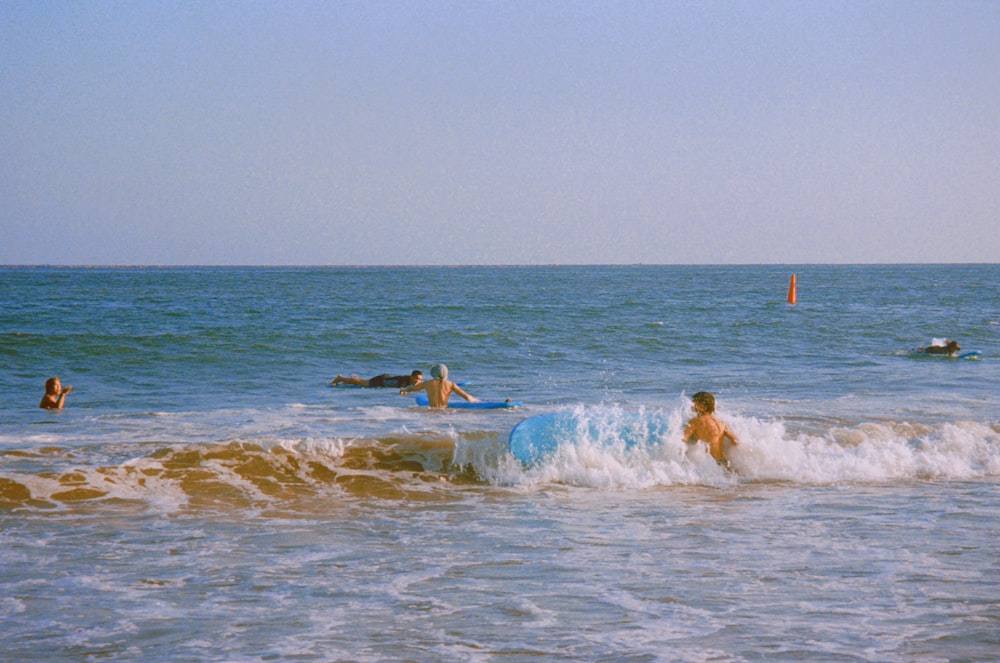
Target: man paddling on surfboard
[(439, 388), (383, 380), (949, 349)]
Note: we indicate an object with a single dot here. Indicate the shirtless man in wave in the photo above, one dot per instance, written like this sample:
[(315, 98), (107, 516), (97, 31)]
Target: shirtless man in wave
[(706, 427)]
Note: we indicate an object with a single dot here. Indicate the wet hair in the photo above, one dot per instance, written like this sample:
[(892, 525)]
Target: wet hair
[(704, 399), (50, 383)]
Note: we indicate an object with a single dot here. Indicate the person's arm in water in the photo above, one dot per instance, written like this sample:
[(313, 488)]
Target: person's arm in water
[(413, 387), (55, 398), (458, 390), (728, 432)]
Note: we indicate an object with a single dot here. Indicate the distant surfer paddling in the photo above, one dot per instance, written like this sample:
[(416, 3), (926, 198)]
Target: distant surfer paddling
[(383, 380), (439, 388), (706, 427), (949, 348)]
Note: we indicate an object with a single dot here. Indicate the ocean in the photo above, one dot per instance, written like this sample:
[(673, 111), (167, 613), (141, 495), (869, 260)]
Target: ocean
[(206, 496)]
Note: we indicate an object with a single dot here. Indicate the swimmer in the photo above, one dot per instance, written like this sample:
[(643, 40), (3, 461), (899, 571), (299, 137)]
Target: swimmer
[(706, 427), (439, 388), (55, 394)]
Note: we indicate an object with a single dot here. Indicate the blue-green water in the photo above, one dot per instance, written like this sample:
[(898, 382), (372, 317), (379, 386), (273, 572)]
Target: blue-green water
[(205, 496)]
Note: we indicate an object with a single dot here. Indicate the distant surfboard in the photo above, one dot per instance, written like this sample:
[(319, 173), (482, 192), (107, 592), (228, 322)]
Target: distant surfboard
[(537, 437), (462, 404), (919, 352)]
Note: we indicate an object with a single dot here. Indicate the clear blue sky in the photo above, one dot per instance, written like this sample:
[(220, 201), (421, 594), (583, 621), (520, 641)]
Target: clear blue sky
[(509, 132)]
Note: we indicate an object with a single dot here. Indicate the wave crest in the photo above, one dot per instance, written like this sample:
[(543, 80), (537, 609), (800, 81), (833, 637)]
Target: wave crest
[(302, 475)]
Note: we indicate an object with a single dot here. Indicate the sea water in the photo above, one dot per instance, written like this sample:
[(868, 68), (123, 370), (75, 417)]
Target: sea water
[(204, 495)]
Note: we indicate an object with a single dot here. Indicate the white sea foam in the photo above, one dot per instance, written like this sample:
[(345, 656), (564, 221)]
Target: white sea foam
[(867, 452), (10, 606)]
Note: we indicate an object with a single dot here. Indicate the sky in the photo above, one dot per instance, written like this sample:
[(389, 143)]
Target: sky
[(294, 132)]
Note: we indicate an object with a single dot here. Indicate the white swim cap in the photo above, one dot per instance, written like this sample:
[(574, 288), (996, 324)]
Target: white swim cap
[(439, 371)]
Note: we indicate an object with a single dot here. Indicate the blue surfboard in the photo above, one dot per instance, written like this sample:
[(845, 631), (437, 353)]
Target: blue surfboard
[(462, 404), (537, 437), (919, 352)]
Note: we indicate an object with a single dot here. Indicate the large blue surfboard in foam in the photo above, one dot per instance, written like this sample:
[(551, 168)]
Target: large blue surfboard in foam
[(459, 403), (537, 437)]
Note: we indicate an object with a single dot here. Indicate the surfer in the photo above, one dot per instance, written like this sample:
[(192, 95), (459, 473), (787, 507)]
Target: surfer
[(950, 348), (439, 388), (55, 394), (383, 380), (706, 427)]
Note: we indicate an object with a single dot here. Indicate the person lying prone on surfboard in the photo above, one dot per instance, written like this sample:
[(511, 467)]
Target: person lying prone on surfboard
[(439, 388), (383, 380), (706, 427), (949, 349)]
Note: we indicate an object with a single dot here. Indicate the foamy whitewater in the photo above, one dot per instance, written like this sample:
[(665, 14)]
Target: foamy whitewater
[(205, 495)]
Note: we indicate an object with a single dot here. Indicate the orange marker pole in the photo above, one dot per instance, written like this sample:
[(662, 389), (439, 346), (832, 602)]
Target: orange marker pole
[(791, 290)]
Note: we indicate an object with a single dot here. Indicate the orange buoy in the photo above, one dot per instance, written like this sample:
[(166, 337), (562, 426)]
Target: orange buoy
[(791, 290)]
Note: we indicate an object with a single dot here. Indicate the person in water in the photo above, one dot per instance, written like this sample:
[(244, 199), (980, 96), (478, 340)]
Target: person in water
[(706, 427), (439, 388), (55, 394), (948, 349), (383, 380)]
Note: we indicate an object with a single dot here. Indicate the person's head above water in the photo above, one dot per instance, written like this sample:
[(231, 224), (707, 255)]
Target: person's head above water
[(439, 371), (704, 402)]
